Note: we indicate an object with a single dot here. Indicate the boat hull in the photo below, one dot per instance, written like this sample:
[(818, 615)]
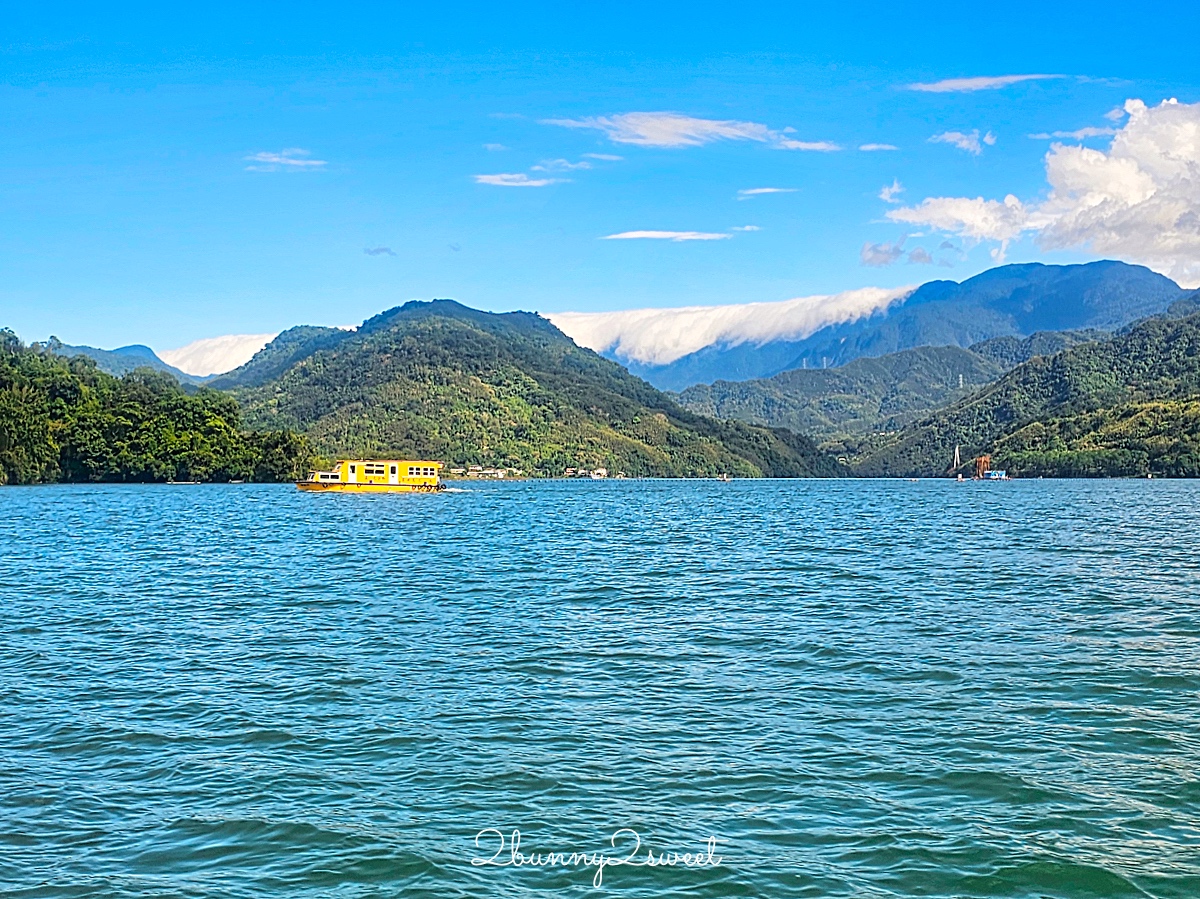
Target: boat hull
[(317, 487)]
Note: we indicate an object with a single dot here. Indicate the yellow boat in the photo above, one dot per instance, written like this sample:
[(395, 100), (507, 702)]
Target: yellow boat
[(377, 476)]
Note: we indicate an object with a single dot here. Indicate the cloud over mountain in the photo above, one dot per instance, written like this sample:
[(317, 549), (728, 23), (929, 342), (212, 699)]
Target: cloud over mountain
[(1138, 201), (215, 355), (660, 336)]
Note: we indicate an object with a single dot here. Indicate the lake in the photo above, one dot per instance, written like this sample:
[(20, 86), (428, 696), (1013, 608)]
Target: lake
[(853, 688)]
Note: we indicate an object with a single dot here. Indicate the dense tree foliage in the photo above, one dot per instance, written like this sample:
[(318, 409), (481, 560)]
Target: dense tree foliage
[(852, 408), (438, 380), (1118, 407), (61, 419)]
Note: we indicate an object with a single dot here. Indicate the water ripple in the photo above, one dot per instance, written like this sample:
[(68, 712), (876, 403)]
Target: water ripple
[(867, 689)]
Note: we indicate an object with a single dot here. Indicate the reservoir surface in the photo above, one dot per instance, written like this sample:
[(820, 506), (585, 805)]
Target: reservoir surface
[(848, 688)]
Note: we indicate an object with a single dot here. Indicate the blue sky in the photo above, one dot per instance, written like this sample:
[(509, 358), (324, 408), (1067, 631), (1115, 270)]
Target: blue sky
[(167, 177)]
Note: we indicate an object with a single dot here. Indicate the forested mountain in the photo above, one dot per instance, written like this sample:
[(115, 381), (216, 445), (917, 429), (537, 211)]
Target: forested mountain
[(62, 419), (867, 394), (1012, 300), (439, 380), (874, 393), (120, 361), (1126, 406), (279, 355)]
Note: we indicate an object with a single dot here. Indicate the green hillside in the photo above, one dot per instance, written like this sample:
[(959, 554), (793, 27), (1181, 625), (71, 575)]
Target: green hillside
[(442, 381), (846, 405), (62, 419), (1118, 407), (881, 393)]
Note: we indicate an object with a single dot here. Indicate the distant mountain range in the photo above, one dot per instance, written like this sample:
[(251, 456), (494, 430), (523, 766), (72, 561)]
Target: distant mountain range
[(438, 380), (1012, 300), (1128, 406), (120, 361), (870, 394)]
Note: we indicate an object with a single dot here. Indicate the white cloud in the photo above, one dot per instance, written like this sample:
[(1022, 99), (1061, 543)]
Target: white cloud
[(981, 83), (819, 146), (517, 179), (560, 165), (881, 254), (603, 157), (660, 336), (1080, 134), (670, 129), (872, 148), (759, 191), (888, 194), (920, 256), (667, 235), (494, 148), (293, 158), (216, 355), (970, 142), (745, 228), (1139, 200)]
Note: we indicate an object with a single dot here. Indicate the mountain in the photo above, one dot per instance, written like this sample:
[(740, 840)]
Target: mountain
[(120, 361), (870, 393), (1125, 406), (279, 355), (882, 393), (62, 419), (1012, 300), (439, 380)]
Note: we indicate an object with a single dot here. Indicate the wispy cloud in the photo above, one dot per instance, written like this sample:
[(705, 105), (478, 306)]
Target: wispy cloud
[(494, 148), (818, 146), (759, 191), (672, 130), (971, 142), (979, 83), (873, 148), (515, 179), (380, 251), (667, 235), (920, 256), (1081, 134), (745, 228), (560, 165), (888, 194), (603, 157), (293, 159)]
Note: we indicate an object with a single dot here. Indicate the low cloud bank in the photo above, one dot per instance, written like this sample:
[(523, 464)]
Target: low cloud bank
[(660, 336), (216, 355)]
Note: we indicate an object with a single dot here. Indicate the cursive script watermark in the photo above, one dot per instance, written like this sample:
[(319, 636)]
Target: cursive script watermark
[(508, 854)]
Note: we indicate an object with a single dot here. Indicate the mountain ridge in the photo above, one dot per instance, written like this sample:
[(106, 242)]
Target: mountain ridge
[(1011, 300), (1122, 406), (440, 380)]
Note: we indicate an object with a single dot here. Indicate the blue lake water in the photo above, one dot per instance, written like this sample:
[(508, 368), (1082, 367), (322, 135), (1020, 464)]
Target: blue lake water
[(858, 688)]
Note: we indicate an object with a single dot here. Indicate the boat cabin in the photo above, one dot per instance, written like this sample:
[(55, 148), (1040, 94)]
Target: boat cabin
[(380, 473)]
